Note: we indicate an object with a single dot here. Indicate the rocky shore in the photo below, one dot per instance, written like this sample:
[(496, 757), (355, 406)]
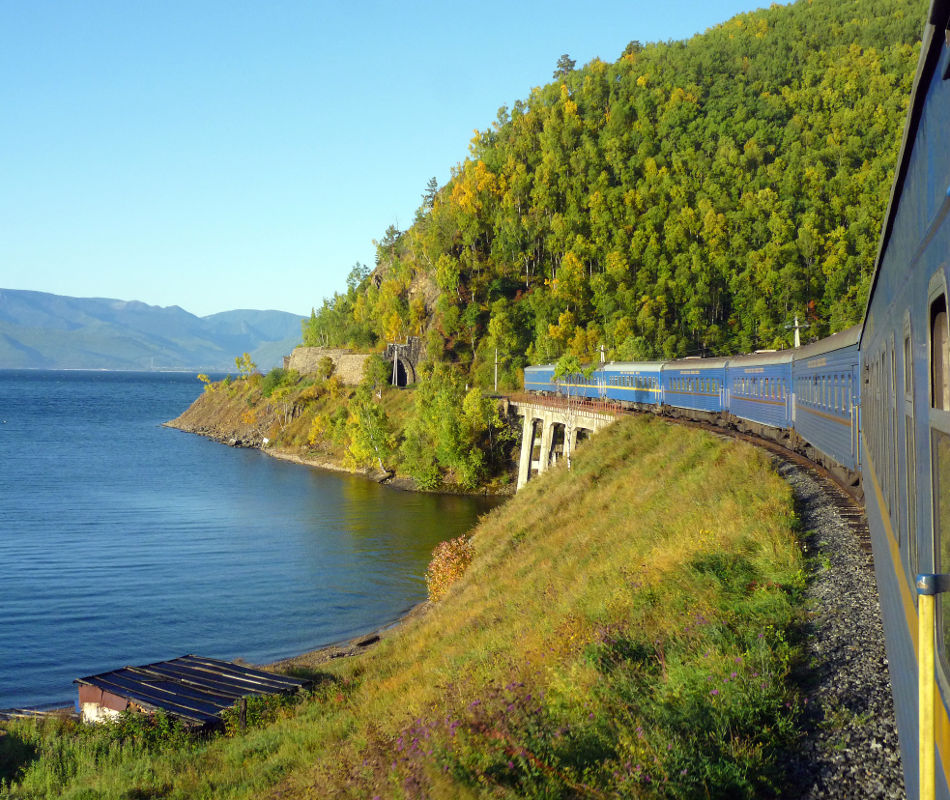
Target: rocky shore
[(212, 416)]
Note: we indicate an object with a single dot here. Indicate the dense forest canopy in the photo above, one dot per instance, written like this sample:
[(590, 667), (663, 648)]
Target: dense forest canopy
[(691, 197)]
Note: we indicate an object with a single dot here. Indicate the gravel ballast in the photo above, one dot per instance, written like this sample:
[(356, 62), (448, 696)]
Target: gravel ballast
[(849, 746)]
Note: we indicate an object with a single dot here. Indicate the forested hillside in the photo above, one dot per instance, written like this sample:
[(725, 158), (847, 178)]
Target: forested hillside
[(688, 198)]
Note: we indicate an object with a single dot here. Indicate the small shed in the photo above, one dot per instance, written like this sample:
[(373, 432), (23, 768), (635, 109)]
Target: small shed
[(193, 689)]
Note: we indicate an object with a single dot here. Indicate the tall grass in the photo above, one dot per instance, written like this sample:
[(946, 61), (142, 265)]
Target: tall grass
[(625, 629)]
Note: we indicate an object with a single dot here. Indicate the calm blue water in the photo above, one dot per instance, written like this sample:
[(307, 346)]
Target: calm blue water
[(123, 542)]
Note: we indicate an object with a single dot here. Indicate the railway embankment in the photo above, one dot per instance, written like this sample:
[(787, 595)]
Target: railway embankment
[(847, 746)]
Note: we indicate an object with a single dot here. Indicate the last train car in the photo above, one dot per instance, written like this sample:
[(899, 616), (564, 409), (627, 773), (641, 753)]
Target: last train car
[(539, 378), (905, 411)]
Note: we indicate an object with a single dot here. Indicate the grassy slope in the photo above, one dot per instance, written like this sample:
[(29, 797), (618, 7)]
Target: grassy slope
[(623, 629)]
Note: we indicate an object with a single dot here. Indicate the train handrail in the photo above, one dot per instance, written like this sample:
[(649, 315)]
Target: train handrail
[(929, 585)]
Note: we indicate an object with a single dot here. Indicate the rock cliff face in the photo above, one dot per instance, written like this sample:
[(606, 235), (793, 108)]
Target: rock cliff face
[(347, 365)]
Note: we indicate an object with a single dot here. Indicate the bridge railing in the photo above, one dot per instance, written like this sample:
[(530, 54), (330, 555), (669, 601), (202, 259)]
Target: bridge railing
[(573, 403)]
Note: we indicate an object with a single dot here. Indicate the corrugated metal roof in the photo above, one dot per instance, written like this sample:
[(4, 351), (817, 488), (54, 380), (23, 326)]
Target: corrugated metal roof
[(192, 688)]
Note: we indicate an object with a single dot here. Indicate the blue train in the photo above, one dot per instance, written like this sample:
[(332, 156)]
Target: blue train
[(809, 398), (873, 404)]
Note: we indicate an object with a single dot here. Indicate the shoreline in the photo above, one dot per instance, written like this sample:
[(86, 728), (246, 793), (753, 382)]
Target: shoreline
[(346, 648), (389, 479)]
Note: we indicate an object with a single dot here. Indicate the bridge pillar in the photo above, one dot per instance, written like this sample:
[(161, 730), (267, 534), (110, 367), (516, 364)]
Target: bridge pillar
[(547, 436), (547, 439), (527, 446)]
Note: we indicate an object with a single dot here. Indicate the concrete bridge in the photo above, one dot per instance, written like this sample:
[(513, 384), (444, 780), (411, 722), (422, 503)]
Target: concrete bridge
[(553, 427)]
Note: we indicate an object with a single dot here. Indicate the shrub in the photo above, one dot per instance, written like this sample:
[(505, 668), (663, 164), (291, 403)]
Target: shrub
[(449, 561), (278, 378)]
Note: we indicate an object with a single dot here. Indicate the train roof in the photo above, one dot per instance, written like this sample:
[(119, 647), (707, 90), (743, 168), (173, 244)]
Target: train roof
[(932, 42), (633, 365), (837, 341), (695, 363), (776, 357)]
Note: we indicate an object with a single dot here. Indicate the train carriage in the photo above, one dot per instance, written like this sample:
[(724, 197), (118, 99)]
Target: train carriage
[(632, 382), (694, 383), (759, 388), (541, 379), (905, 441), (825, 381)]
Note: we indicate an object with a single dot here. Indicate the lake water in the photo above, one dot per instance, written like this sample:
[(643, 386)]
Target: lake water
[(123, 542)]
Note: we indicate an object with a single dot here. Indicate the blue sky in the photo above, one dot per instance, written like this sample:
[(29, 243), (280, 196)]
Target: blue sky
[(220, 155)]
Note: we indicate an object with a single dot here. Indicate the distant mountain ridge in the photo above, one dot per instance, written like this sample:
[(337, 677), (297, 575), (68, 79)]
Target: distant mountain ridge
[(47, 331)]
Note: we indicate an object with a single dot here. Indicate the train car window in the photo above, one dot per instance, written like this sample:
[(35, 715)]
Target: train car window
[(908, 364), (940, 456), (941, 488), (894, 432), (910, 484), (939, 367)]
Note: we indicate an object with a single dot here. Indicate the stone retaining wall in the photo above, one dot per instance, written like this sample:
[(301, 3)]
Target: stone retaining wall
[(347, 365)]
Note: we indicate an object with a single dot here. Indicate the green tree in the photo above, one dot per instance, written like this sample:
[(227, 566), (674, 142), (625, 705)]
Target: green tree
[(569, 376), (565, 65), (369, 431), (245, 366)]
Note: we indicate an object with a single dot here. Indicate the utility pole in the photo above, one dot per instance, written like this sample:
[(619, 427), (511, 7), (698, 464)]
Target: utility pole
[(798, 327), (496, 370), (395, 346)]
